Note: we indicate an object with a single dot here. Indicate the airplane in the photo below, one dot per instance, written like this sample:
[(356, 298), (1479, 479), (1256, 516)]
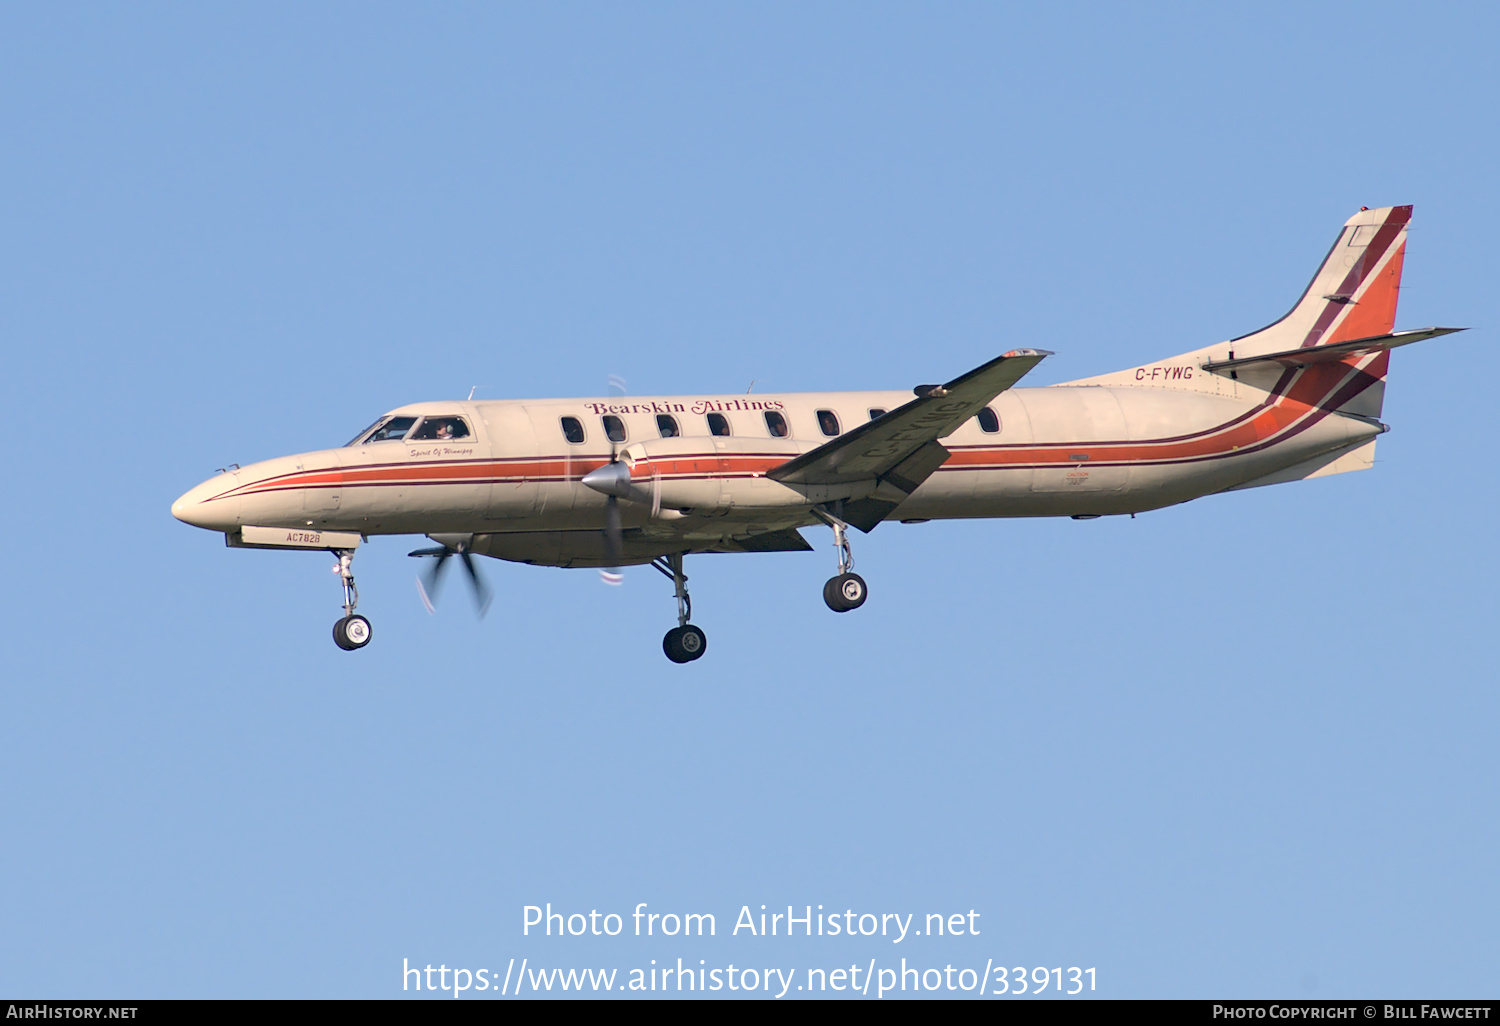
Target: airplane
[(614, 481)]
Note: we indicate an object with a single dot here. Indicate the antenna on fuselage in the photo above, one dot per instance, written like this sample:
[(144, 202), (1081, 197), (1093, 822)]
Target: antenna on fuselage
[(752, 386), (471, 393)]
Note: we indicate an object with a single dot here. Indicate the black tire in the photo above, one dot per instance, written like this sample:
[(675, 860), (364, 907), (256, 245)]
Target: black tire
[(832, 597), (339, 638), (845, 592), (670, 646), (684, 644)]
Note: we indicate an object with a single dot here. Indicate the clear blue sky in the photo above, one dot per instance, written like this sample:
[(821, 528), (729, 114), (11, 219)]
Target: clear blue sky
[(1243, 747)]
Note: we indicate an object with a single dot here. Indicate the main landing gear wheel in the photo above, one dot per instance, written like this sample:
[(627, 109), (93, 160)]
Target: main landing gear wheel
[(684, 644), (848, 590), (351, 632), (845, 592)]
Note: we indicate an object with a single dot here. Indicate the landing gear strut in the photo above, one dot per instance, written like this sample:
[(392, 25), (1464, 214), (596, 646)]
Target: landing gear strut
[(847, 590), (685, 642), (352, 631)]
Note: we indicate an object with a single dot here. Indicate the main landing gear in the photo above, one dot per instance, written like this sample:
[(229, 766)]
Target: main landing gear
[(352, 631), (848, 590), (685, 642)]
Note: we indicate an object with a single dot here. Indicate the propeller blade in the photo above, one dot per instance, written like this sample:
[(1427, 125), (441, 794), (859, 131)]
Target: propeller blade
[(613, 479), (429, 590), (614, 542), (481, 591)]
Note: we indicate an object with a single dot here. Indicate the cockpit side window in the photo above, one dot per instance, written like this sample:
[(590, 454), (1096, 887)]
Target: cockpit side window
[(392, 430), (441, 429)]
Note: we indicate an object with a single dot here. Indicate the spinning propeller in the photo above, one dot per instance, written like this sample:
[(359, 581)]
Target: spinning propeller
[(613, 479), (614, 542), (615, 471), (451, 545)]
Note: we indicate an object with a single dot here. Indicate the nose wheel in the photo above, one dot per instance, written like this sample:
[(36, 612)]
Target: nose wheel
[(685, 642), (847, 590), (352, 631)]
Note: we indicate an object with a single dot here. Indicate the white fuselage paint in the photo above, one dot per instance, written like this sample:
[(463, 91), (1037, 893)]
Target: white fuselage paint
[(1139, 443)]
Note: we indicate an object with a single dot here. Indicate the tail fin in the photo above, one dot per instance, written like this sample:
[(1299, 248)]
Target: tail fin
[(1352, 296), (1331, 350)]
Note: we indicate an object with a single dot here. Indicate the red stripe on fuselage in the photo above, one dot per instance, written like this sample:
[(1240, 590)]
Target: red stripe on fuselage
[(1299, 400)]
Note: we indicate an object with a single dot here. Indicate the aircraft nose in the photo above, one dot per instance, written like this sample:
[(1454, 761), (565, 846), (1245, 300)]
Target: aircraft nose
[(202, 507), (187, 510)]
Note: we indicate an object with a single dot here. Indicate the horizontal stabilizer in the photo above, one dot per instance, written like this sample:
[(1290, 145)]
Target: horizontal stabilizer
[(1335, 351)]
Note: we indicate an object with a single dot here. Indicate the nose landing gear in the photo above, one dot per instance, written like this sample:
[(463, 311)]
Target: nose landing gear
[(847, 590), (685, 642), (352, 631)]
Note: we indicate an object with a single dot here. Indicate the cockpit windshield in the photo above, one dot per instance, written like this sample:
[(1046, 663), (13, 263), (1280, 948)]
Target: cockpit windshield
[(387, 430), (432, 429), (356, 439)]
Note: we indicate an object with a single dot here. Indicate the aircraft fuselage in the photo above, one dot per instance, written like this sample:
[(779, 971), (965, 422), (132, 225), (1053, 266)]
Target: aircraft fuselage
[(1081, 450)]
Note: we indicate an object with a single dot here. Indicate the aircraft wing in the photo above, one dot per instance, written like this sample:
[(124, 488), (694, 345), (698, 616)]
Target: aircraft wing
[(901, 448)]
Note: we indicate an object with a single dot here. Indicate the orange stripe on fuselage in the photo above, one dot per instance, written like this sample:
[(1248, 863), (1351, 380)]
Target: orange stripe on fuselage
[(1310, 387)]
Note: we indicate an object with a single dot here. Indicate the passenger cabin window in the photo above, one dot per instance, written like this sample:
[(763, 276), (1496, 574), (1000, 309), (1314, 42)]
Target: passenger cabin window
[(614, 428), (989, 422), (667, 425), (718, 424), (876, 413), (391, 430), (441, 429), (776, 424), (828, 422), (573, 430)]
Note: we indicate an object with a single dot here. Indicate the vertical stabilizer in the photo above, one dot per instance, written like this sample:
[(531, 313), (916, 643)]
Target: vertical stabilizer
[(1354, 293)]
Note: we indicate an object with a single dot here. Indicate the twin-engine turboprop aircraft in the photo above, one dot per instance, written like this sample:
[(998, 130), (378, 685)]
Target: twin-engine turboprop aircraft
[(607, 482)]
